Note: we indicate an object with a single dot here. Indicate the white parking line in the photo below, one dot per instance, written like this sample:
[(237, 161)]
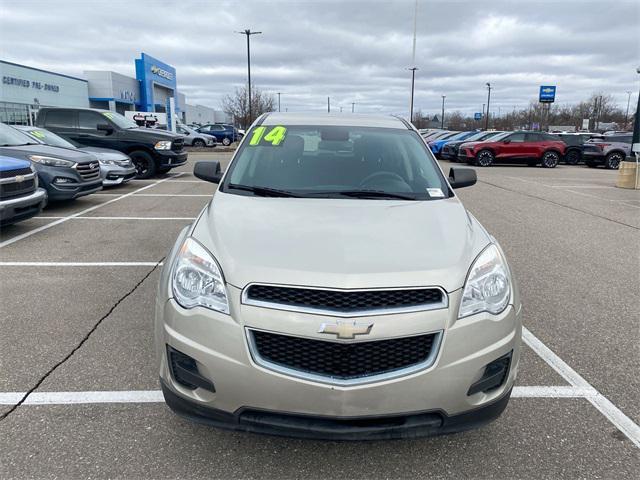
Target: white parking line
[(78, 214), (149, 396), (80, 264), (156, 194), (604, 405)]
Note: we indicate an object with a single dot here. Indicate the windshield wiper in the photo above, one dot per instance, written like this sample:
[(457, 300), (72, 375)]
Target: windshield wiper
[(373, 194), (262, 191)]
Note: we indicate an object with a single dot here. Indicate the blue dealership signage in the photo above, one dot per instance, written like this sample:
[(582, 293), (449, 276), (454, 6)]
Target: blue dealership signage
[(547, 93), (155, 75), (477, 116)]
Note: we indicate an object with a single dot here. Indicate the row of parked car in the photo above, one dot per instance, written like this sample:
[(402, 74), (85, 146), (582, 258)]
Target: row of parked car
[(485, 148), (73, 152)]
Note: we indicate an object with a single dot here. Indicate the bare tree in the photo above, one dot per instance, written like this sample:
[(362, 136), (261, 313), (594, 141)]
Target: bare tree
[(237, 105)]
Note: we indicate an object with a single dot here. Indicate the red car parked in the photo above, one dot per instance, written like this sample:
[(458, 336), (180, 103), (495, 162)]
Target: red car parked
[(532, 148)]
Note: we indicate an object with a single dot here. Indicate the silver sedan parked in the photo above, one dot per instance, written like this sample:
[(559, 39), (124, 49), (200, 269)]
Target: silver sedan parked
[(195, 138), (115, 167)]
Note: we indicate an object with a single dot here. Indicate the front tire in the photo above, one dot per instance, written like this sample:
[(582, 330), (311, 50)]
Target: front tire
[(226, 141), (612, 162), (550, 159), (572, 157), (199, 143), (144, 163), (485, 158)]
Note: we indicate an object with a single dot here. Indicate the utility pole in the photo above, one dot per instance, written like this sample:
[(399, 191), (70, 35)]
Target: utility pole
[(486, 120), (328, 105), (626, 115), (279, 101), (353, 107), (248, 33), (442, 119), (413, 80)]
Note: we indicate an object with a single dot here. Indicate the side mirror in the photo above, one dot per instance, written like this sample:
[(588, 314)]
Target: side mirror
[(105, 127), (208, 171), (507, 141), (462, 177)]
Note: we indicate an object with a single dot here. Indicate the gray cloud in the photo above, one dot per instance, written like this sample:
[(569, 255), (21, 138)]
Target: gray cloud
[(354, 51)]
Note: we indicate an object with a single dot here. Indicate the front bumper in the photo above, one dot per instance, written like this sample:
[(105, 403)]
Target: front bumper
[(116, 175), (22, 208), (429, 401), (169, 158), (77, 187)]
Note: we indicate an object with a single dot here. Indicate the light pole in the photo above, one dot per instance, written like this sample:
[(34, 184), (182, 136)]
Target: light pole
[(413, 81), (442, 118), (353, 107), (248, 33), (486, 120), (278, 101), (626, 115), (328, 104)]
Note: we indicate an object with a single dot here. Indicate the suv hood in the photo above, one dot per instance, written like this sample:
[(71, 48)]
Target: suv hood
[(105, 153), (340, 243), (72, 154)]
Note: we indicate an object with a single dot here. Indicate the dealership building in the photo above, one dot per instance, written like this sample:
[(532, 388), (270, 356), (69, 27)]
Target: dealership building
[(25, 89)]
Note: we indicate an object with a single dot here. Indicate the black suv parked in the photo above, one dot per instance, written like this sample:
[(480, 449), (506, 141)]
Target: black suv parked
[(152, 151)]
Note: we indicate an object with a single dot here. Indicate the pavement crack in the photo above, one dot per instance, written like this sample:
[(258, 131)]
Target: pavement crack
[(82, 341), (559, 204)]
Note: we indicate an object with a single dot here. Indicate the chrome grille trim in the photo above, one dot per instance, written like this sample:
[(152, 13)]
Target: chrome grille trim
[(88, 171), (260, 361), (444, 303)]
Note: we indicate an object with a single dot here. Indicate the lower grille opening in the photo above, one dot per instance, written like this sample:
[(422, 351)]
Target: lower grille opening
[(494, 376), (184, 371), (342, 361)]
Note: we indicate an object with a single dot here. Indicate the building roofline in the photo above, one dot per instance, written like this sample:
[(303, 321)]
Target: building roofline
[(44, 71)]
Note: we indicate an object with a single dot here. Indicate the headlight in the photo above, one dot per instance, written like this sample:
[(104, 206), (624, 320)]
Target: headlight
[(488, 288), (197, 279), (163, 145), (104, 161), (51, 161)]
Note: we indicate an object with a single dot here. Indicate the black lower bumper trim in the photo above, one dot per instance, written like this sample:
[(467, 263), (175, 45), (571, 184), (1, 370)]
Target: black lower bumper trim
[(412, 425)]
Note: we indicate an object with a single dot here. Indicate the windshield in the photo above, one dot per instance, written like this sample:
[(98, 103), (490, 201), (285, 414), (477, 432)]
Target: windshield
[(458, 136), (336, 162), (48, 138), (120, 120), (10, 137), (497, 136)]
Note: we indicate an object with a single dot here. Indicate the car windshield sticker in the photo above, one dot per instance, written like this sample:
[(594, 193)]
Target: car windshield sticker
[(435, 193), (273, 138), (38, 134), (109, 115)]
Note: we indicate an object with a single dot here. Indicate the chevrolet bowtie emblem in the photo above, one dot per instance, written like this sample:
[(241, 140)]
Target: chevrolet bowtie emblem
[(345, 329), (19, 178)]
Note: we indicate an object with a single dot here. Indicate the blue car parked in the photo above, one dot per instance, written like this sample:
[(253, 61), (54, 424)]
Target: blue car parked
[(20, 197), (436, 145), (226, 134)]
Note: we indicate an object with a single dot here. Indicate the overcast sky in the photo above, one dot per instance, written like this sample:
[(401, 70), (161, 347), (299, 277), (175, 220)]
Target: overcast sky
[(352, 51)]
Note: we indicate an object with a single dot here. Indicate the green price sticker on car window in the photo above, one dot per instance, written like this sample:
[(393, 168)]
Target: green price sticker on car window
[(268, 136), (109, 115), (38, 134)]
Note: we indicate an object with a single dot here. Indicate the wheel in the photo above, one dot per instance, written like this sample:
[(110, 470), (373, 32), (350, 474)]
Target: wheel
[(198, 142), (485, 158), (226, 141), (145, 166), (572, 157), (612, 162), (550, 159)]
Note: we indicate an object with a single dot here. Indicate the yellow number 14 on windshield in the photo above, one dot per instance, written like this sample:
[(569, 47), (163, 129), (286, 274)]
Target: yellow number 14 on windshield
[(274, 137)]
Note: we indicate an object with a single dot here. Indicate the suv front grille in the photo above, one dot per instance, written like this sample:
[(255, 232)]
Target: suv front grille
[(89, 171), (14, 189), (342, 361), (347, 302), (177, 145), (13, 173)]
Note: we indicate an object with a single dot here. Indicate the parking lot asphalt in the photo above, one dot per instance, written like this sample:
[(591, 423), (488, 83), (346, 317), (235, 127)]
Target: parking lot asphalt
[(78, 284)]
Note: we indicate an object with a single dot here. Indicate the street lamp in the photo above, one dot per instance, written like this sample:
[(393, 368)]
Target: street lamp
[(353, 107), (248, 33), (626, 115), (486, 120), (442, 118), (279, 101), (413, 79)]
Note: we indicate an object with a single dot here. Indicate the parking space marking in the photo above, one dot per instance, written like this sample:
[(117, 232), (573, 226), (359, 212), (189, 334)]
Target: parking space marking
[(156, 194), (125, 218), (80, 213), (603, 404), (80, 264), (150, 396)]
